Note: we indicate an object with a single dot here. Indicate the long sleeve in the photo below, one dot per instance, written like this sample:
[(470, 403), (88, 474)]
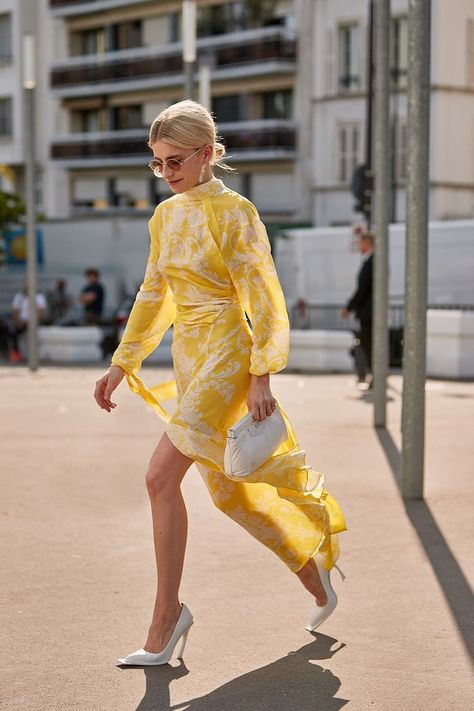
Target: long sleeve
[(364, 287), (247, 254), (152, 314)]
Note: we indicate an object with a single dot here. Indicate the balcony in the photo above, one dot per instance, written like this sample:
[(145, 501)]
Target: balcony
[(240, 54), (264, 140), (69, 8)]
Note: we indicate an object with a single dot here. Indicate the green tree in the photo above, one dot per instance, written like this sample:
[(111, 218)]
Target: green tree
[(12, 212)]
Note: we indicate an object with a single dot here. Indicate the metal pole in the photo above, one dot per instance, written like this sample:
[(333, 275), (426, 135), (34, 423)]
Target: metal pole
[(29, 84), (189, 46), (381, 210), (205, 84), (414, 356), (188, 80), (370, 89)]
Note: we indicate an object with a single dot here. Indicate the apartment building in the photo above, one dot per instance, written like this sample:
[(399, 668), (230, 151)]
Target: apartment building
[(340, 35), (17, 18), (118, 64)]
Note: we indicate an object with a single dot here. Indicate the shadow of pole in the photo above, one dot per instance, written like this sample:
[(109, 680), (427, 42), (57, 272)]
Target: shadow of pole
[(293, 681), (451, 578)]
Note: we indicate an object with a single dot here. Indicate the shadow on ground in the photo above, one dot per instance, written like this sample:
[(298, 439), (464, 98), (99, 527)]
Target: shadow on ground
[(451, 578), (293, 681)]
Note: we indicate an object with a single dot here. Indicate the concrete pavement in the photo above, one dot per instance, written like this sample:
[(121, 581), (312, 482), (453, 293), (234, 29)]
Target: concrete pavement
[(78, 574)]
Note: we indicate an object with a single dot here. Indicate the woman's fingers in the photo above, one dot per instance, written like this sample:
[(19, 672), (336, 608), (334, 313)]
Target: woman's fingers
[(261, 411), (103, 390)]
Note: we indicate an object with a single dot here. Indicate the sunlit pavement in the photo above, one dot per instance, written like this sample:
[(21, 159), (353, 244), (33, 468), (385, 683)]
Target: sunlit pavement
[(78, 573)]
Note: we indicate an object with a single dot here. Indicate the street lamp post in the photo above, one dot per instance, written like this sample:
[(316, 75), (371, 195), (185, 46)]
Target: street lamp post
[(189, 46), (381, 209), (29, 85), (414, 349)]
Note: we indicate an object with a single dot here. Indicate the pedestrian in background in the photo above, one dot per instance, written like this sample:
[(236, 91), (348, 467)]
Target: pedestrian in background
[(59, 301), (92, 297), (19, 323), (361, 302), (210, 262)]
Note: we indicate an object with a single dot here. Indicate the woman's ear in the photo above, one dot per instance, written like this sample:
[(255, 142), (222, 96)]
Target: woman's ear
[(208, 151)]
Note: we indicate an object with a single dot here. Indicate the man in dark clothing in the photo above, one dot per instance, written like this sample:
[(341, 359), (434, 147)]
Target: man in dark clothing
[(361, 301), (92, 297)]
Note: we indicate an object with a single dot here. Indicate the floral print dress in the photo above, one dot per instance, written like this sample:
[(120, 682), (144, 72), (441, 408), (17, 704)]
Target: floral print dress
[(210, 265)]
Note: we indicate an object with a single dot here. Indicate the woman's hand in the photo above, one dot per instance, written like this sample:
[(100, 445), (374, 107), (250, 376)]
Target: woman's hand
[(260, 400), (105, 386)]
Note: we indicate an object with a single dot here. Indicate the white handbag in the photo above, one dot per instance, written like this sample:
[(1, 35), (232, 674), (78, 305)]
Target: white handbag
[(250, 443)]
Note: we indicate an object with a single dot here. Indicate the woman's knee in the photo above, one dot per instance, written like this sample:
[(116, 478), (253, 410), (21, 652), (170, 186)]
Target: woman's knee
[(160, 483), (166, 469)]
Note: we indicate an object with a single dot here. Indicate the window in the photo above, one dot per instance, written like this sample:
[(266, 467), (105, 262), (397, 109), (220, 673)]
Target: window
[(5, 117), (126, 35), (348, 151), (227, 108), (123, 117), (5, 37), (88, 121), (278, 104), (220, 19), (399, 51), (175, 27), (349, 78), (401, 155), (91, 41)]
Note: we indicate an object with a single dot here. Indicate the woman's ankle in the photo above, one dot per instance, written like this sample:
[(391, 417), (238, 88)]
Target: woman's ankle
[(165, 611)]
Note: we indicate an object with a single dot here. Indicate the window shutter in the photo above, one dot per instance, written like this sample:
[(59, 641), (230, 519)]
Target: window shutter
[(330, 62), (470, 52)]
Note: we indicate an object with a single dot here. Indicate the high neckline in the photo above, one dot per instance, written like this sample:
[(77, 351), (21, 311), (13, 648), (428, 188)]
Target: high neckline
[(210, 187)]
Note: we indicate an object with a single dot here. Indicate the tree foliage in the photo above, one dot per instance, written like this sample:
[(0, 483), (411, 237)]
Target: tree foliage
[(12, 211)]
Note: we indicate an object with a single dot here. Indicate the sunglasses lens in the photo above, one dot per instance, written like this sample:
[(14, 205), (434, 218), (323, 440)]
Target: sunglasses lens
[(174, 164), (156, 167)]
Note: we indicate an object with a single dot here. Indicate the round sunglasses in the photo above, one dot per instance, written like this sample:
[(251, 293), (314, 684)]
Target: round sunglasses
[(156, 165)]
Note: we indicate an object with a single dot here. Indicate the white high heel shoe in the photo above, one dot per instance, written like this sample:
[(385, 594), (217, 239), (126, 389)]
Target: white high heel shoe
[(320, 614), (143, 658)]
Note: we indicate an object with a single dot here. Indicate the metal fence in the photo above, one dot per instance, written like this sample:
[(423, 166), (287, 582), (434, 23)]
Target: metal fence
[(327, 317)]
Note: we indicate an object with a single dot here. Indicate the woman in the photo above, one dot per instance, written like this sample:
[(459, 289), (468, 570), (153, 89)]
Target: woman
[(209, 263)]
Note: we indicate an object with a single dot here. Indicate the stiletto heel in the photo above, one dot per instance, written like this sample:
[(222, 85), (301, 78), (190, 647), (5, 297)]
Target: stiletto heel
[(183, 644), (143, 658), (320, 614)]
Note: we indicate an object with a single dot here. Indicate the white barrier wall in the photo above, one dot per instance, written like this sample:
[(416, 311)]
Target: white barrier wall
[(450, 344), (320, 351)]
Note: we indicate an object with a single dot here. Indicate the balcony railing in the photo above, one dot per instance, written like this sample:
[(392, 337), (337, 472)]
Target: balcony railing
[(244, 140), (242, 51), (64, 8)]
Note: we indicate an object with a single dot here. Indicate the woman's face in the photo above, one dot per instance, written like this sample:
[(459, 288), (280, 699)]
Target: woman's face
[(187, 175)]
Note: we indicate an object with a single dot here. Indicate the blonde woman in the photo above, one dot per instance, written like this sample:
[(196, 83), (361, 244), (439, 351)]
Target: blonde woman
[(210, 265)]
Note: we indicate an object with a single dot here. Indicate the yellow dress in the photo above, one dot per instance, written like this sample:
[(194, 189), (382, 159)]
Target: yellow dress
[(209, 264)]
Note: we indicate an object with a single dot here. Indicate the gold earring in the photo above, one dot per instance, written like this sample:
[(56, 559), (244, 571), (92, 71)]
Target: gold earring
[(201, 176)]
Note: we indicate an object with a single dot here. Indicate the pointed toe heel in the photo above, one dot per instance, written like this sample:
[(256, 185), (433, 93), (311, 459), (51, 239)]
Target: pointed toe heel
[(320, 614), (143, 658)]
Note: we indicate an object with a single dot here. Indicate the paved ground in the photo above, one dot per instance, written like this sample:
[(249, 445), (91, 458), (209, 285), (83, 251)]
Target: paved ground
[(78, 574)]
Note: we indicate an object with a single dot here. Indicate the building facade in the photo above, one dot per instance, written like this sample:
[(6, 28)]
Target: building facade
[(118, 64), (340, 40), (288, 88)]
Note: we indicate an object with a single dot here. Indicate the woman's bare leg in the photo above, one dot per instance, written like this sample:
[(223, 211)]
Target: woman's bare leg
[(170, 526)]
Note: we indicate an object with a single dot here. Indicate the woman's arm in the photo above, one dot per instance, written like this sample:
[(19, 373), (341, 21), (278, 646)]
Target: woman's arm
[(247, 254), (152, 314)]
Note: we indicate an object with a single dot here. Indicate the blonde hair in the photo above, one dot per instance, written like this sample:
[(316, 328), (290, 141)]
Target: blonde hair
[(188, 124)]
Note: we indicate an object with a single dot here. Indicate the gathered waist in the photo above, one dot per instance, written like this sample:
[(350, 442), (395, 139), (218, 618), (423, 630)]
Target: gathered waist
[(205, 312)]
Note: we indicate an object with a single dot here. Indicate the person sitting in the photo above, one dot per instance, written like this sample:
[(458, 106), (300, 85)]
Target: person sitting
[(59, 302), (20, 316)]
